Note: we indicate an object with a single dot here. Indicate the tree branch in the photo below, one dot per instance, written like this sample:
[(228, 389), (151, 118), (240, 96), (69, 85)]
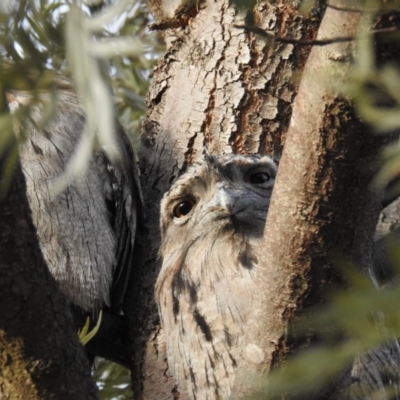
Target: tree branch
[(322, 207), (317, 42)]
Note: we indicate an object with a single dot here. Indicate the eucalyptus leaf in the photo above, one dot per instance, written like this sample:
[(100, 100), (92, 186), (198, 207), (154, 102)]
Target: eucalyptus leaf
[(112, 47)]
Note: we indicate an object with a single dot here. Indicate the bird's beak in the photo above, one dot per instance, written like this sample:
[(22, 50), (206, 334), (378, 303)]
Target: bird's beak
[(226, 199)]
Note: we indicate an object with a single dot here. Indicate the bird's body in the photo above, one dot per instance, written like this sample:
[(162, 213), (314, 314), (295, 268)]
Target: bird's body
[(86, 231), (212, 223)]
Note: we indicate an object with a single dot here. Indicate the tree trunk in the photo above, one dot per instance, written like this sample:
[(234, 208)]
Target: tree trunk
[(40, 355), (221, 89)]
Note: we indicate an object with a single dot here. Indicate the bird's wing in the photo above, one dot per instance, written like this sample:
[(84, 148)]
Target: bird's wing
[(127, 214)]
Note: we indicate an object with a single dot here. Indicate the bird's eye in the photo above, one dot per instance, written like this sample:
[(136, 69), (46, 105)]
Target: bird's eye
[(183, 208), (258, 178)]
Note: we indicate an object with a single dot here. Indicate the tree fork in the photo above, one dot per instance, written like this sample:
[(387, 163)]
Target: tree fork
[(222, 89)]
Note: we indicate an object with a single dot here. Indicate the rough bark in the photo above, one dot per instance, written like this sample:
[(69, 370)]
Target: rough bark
[(220, 88), (225, 90), (40, 355), (323, 207)]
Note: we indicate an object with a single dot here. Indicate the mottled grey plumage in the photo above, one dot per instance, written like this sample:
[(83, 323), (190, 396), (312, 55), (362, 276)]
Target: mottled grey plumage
[(212, 223), (87, 231)]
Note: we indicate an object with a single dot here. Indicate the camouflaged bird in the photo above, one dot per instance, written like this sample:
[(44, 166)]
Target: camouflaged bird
[(212, 223), (86, 232)]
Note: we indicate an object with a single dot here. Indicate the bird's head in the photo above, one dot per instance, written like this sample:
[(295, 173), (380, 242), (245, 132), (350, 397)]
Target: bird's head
[(224, 193)]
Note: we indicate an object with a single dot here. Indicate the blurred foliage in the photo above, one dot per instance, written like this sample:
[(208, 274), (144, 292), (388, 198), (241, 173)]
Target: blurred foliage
[(108, 52), (365, 317), (354, 321), (105, 47), (113, 381)]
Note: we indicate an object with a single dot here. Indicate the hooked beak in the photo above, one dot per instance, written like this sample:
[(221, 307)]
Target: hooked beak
[(238, 206)]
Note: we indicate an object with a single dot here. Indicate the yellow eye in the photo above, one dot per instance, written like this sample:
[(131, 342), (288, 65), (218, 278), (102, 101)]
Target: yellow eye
[(258, 178), (183, 208)]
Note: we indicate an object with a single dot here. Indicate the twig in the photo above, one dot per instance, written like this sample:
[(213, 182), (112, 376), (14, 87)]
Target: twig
[(316, 42), (346, 9)]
